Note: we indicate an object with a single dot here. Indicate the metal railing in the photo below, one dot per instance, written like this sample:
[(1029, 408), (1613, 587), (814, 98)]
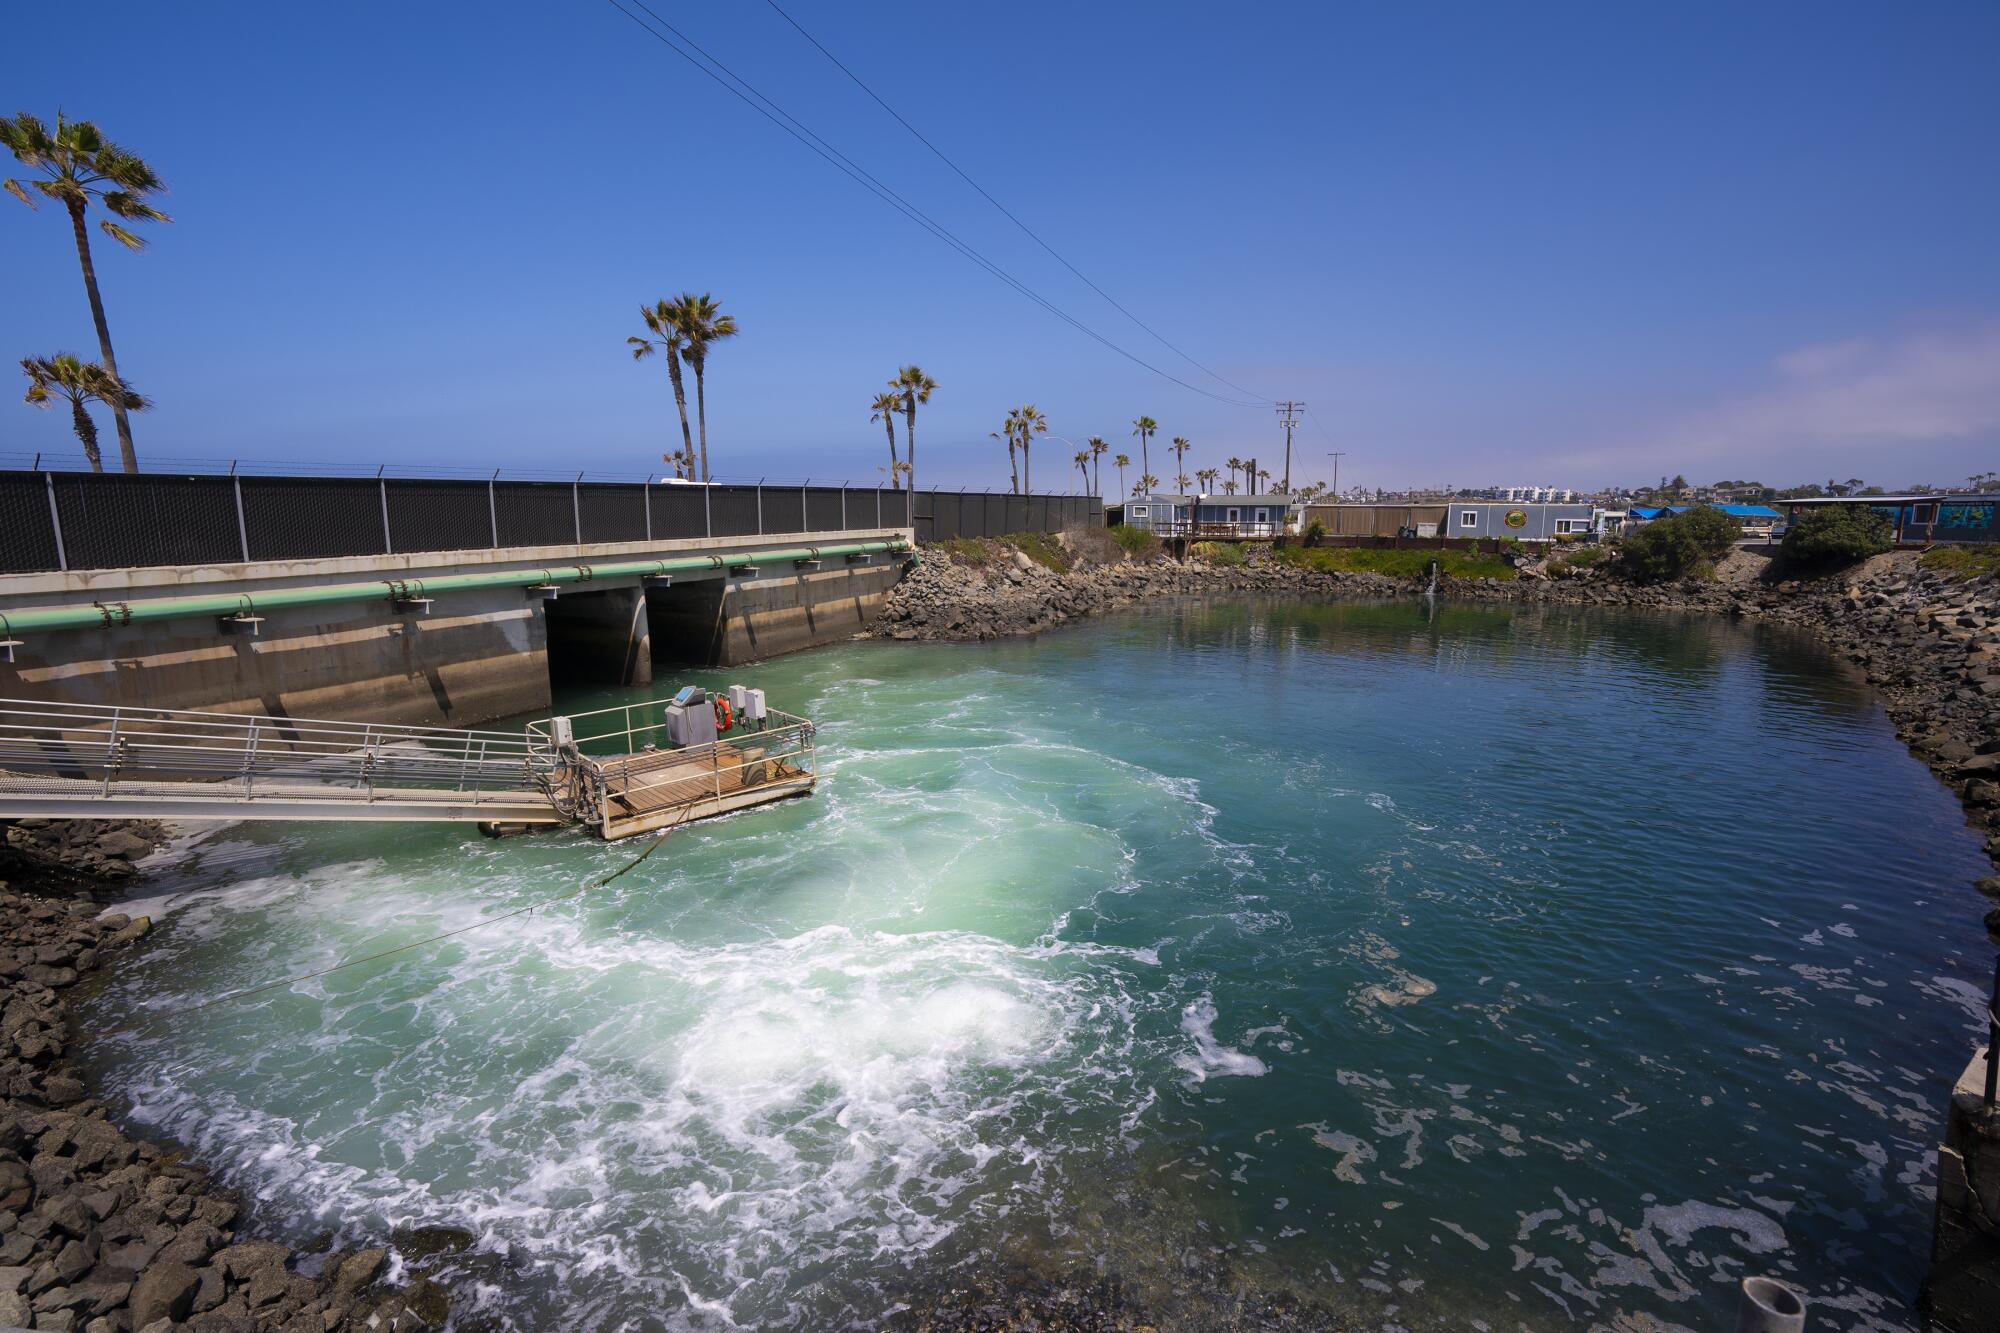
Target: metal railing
[(245, 757), (1222, 530), (620, 756)]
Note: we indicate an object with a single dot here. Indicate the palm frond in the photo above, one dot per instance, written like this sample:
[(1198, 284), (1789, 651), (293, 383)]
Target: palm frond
[(122, 236), (13, 187), (124, 204)]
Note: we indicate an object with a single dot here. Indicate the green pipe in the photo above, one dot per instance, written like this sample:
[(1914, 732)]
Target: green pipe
[(99, 614)]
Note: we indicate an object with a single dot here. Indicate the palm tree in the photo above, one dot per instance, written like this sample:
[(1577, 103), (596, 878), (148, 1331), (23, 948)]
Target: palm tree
[(1083, 466), (1010, 428), (1147, 481), (915, 387), (1207, 478), (1235, 466), (1144, 428), (1229, 487), (666, 338), (885, 407), (1180, 448), (66, 375), (1121, 462), (1029, 422), (1097, 448), (701, 324), (683, 461), (1263, 476), (78, 164)]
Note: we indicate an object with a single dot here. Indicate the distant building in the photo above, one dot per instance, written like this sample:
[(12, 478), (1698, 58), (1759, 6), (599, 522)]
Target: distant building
[(1527, 520), (1533, 494), (1217, 517), (1918, 520)]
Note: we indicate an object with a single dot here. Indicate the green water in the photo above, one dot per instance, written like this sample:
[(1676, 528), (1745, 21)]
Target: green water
[(1537, 968)]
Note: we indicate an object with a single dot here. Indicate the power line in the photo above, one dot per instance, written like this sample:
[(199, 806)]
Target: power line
[(1005, 211), (784, 120)]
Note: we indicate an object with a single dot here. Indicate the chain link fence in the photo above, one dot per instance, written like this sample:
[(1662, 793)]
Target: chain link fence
[(88, 520)]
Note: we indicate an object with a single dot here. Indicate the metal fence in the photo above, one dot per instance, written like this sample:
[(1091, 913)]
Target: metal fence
[(87, 520)]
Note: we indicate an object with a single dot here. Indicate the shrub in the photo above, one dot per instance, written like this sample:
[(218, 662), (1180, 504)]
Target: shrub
[(971, 550), (1041, 548), (1219, 553), (1314, 534), (1136, 541), (1679, 547), (1401, 564), (1829, 536), (1962, 562)]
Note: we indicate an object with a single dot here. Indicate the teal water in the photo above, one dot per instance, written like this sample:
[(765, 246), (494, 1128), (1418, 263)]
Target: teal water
[(1539, 968)]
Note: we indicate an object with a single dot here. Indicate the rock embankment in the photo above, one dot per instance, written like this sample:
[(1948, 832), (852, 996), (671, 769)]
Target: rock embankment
[(99, 1232), (946, 597)]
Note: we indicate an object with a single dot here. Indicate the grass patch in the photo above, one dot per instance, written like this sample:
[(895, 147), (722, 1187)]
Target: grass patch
[(1135, 541), (1394, 563), (1219, 553), (1042, 548), (1583, 557), (971, 550), (1962, 562)]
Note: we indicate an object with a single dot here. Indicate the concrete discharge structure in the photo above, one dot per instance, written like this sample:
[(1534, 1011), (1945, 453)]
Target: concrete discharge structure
[(454, 638)]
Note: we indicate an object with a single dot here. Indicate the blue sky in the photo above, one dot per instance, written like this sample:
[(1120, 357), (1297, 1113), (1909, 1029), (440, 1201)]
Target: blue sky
[(1488, 244)]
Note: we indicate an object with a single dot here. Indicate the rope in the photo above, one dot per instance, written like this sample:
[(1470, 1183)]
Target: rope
[(380, 954)]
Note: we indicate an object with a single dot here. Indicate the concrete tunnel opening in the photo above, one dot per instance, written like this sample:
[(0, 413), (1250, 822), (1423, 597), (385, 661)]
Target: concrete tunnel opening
[(619, 636)]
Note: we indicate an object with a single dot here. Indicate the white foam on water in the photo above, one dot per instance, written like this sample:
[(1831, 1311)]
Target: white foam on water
[(1210, 1058)]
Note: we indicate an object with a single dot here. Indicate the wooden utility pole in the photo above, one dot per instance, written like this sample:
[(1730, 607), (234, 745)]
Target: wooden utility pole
[(1288, 414), (1336, 456)]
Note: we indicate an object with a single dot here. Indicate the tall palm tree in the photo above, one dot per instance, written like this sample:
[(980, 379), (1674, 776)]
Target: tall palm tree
[(1144, 486), (1097, 447), (1207, 478), (915, 387), (1121, 462), (1030, 423), (68, 376), (1235, 466), (1180, 447), (666, 338), (1144, 428), (1008, 430), (1263, 476), (1229, 487), (78, 164), (885, 408), (1083, 466), (701, 324)]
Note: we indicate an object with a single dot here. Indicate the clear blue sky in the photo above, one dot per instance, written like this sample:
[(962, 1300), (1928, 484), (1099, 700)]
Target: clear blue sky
[(1487, 243)]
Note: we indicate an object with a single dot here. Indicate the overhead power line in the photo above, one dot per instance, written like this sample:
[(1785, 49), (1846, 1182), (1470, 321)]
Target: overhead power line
[(687, 49), (1008, 213)]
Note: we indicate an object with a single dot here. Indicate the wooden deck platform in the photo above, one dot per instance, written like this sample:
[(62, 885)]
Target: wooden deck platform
[(657, 788)]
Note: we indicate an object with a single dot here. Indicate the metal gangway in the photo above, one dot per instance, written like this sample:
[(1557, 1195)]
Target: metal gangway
[(612, 770), (71, 761)]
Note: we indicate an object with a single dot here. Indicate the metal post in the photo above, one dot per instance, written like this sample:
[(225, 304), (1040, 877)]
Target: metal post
[(878, 507), (649, 507), (760, 507), (249, 760), (111, 752), (388, 544), (805, 514), (707, 516), (576, 506), (55, 520), (493, 508), (242, 530), (843, 506)]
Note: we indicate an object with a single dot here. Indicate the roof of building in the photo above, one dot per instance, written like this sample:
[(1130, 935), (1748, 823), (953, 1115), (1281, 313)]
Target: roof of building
[(1945, 497), (1647, 511), (1270, 501), (1750, 511)]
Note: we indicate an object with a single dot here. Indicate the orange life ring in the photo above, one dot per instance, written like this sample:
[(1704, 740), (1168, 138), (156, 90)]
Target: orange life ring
[(724, 719)]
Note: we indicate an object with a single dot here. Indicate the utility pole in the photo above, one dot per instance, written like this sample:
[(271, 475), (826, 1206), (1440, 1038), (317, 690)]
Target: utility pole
[(1288, 413), (1336, 456)]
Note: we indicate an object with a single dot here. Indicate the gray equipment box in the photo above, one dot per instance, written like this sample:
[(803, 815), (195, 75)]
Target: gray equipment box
[(690, 722)]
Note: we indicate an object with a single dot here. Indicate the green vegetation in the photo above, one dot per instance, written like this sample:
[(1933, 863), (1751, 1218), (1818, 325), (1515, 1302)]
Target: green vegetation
[(1396, 564), (1962, 562), (1832, 536), (1680, 547), (1135, 541), (1041, 548), (971, 550), (1576, 561), (76, 381), (1219, 553), (1314, 534)]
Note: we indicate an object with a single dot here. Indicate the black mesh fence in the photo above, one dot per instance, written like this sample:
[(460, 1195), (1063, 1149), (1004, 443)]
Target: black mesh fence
[(612, 513), (536, 513), (297, 518), (27, 536), (113, 521), (440, 515)]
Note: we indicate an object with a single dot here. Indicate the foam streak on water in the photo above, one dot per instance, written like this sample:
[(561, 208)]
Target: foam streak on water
[(1548, 965)]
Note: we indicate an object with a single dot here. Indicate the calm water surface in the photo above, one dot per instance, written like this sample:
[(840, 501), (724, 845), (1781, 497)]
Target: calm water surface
[(1544, 969)]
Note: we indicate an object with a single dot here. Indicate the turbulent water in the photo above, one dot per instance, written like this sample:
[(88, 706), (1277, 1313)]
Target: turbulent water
[(1426, 967)]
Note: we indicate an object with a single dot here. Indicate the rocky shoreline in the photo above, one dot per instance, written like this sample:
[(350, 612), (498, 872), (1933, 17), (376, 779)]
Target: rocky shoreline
[(101, 1232)]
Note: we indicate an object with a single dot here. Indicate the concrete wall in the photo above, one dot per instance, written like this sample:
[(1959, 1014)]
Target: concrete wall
[(472, 657), (1962, 1294)]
